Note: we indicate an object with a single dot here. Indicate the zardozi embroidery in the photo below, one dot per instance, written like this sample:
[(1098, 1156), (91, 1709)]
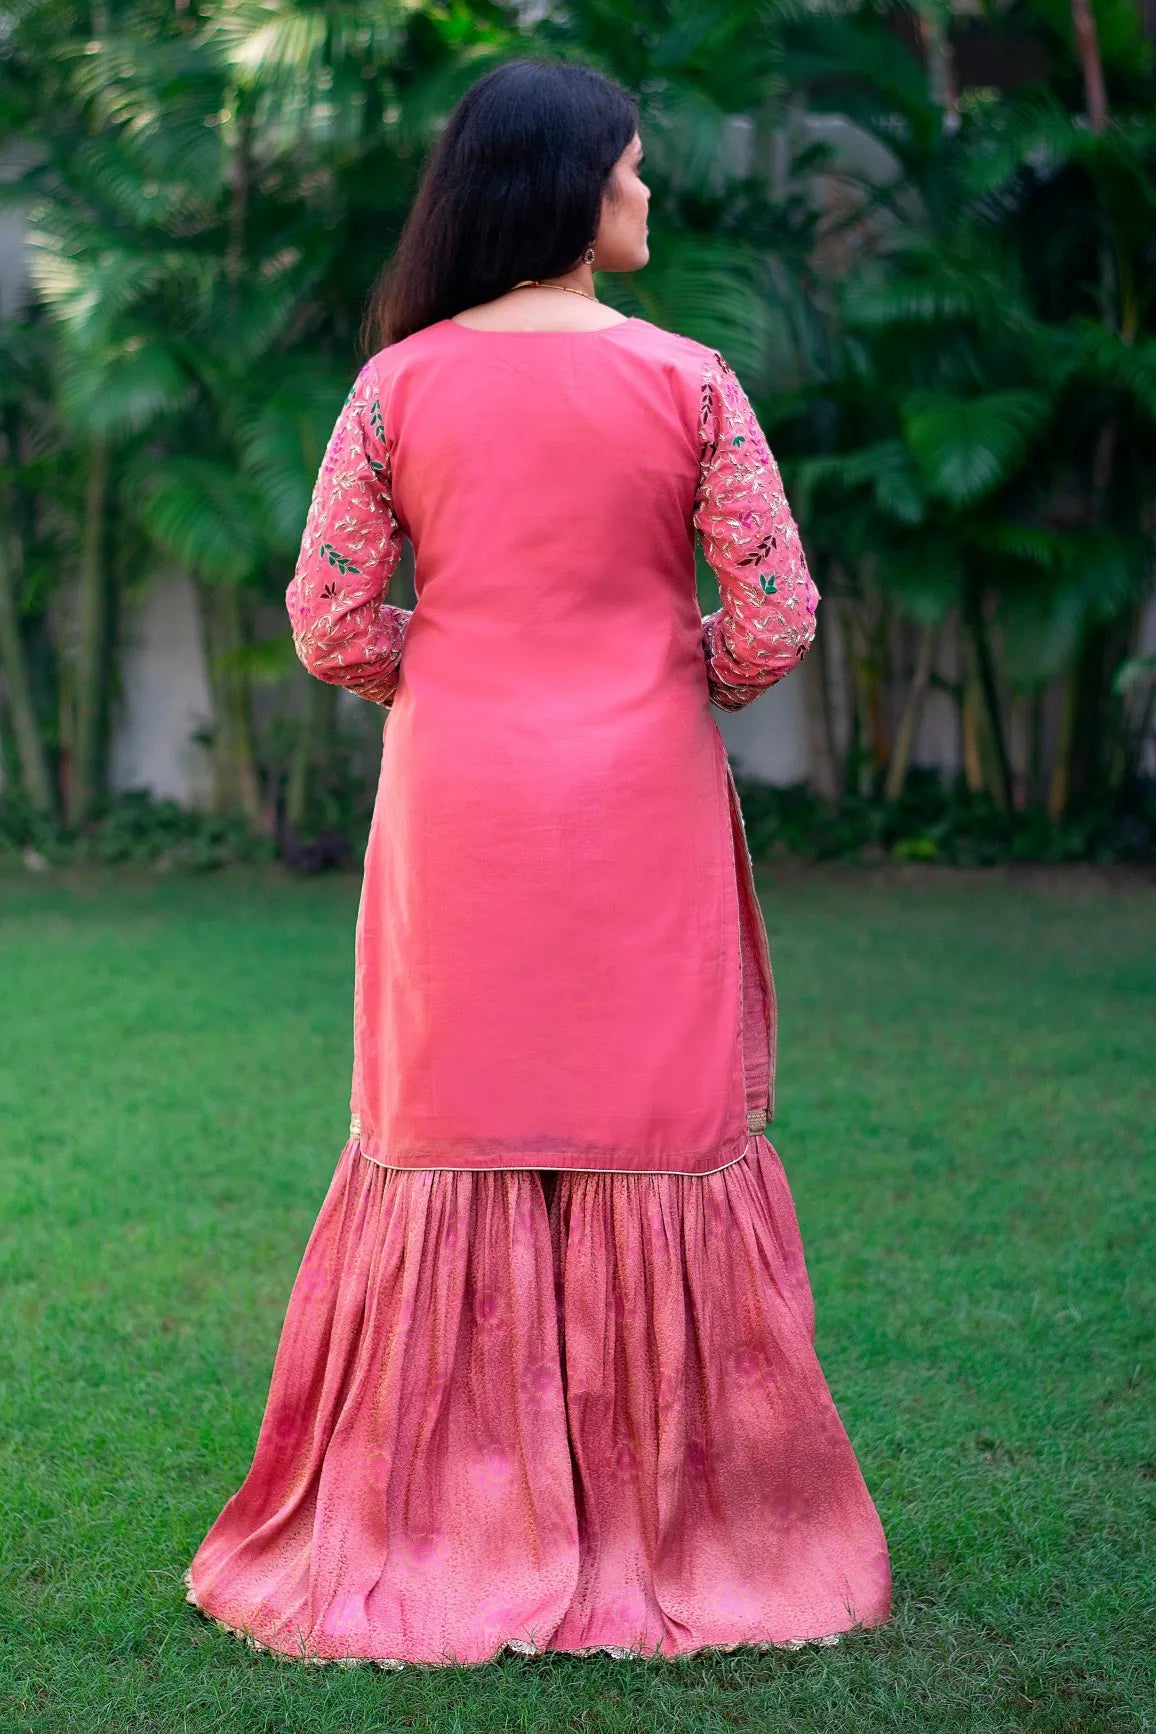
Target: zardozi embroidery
[(344, 630), (767, 620)]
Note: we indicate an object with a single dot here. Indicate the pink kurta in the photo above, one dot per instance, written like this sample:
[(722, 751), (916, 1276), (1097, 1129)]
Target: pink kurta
[(561, 962)]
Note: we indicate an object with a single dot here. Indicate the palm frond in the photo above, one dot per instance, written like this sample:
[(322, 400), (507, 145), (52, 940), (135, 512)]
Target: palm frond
[(1043, 549), (923, 574), (200, 512), (266, 661), (1099, 353), (282, 439), (1033, 133), (1097, 577), (965, 447), (713, 289), (884, 468), (269, 40), (240, 322), (121, 389), (924, 282)]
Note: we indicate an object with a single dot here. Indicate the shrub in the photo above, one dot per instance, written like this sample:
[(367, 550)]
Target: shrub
[(937, 821), (131, 829)]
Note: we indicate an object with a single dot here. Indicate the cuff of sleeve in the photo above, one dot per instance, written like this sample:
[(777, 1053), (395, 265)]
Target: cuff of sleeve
[(722, 696)]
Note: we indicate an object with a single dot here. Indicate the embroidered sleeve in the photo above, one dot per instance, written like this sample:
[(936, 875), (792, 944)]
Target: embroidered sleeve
[(344, 630), (767, 620)]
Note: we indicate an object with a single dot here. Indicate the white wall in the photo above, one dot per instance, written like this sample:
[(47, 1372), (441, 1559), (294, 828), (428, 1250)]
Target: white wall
[(767, 739), (165, 696)]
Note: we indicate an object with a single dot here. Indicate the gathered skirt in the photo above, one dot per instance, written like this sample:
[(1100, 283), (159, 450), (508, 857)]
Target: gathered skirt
[(563, 1411)]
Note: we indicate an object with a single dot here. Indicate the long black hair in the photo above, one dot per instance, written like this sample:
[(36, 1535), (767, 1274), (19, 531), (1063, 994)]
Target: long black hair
[(513, 188)]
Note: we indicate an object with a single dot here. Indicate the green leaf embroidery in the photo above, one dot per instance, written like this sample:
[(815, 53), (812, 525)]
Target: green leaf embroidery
[(375, 420), (767, 581), (342, 561), (739, 439)]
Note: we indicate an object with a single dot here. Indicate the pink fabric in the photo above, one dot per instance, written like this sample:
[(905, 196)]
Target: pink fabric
[(596, 1422), (600, 1427), (550, 940)]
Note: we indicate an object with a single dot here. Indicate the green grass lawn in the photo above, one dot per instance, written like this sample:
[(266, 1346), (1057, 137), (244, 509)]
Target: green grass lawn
[(965, 1098)]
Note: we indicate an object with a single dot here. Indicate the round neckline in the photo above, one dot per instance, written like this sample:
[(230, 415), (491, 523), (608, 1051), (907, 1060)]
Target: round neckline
[(509, 331)]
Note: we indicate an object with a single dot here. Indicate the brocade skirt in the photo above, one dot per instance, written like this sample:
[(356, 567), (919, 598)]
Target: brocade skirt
[(547, 1411)]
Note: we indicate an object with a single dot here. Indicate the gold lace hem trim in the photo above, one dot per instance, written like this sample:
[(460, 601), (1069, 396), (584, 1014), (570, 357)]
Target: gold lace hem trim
[(519, 1647)]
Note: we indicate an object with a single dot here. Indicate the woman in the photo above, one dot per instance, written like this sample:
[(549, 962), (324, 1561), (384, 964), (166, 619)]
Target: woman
[(546, 1379)]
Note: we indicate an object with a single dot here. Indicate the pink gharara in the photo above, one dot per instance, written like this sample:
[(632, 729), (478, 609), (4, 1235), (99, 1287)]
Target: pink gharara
[(595, 1419)]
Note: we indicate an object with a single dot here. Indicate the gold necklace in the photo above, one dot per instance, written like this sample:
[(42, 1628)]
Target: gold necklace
[(537, 283)]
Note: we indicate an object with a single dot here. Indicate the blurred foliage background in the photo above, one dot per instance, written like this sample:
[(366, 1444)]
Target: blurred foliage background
[(925, 236)]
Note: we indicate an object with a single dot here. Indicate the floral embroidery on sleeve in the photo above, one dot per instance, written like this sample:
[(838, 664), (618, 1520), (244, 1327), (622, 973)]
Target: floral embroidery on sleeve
[(344, 630), (767, 620)]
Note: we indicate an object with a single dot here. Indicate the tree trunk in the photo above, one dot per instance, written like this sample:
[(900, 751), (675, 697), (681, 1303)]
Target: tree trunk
[(35, 775), (311, 748), (877, 620), (832, 645), (1114, 715), (238, 176), (223, 800), (1135, 712), (240, 725), (1096, 716), (939, 62), (820, 734), (859, 767), (1088, 48), (912, 714), (868, 618), (1134, 763), (297, 782), (1035, 768), (236, 786), (88, 763), (988, 695), (1062, 754), (969, 720)]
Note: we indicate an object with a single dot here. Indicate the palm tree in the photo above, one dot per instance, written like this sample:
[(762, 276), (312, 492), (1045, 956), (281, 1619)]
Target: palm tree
[(22, 386), (196, 251), (967, 457), (954, 358)]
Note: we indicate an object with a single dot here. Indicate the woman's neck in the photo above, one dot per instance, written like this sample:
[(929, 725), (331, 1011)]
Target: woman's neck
[(544, 308)]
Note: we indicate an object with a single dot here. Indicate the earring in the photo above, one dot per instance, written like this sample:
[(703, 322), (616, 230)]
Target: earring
[(588, 256)]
